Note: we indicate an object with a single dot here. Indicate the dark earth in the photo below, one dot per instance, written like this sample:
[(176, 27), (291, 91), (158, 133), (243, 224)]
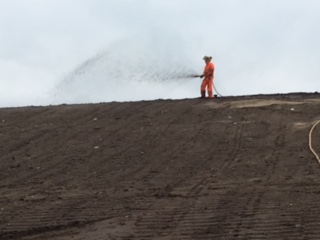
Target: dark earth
[(228, 168)]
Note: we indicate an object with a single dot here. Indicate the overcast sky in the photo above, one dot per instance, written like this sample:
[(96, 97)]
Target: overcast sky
[(77, 51)]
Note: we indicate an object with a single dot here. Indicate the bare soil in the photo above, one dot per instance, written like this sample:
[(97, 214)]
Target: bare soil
[(227, 168)]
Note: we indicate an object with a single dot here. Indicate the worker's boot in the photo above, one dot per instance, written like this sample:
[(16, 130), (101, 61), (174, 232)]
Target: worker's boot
[(210, 94), (203, 94)]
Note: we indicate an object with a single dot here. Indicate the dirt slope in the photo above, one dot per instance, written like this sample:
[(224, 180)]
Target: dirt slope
[(228, 168)]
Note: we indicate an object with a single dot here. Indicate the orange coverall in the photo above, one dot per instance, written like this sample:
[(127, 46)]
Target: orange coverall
[(207, 82)]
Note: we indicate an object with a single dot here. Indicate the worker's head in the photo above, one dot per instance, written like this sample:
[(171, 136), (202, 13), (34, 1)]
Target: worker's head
[(207, 59)]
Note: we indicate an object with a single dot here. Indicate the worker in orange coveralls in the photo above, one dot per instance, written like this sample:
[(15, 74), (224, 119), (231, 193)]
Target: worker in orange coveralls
[(208, 74)]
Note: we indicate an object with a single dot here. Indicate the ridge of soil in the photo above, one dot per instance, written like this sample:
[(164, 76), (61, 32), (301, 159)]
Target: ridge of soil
[(228, 168)]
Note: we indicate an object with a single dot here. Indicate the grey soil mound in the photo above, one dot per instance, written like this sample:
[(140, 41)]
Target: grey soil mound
[(227, 168)]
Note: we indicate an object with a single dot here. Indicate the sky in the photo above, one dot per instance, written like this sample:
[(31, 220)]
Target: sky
[(87, 51)]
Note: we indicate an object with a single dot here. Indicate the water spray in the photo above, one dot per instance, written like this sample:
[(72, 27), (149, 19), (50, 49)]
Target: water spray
[(129, 71)]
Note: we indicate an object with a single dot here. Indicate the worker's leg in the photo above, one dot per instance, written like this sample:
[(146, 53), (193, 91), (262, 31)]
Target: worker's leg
[(210, 89), (203, 88)]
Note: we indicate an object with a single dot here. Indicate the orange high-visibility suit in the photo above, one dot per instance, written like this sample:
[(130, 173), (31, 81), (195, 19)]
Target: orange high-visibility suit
[(207, 82)]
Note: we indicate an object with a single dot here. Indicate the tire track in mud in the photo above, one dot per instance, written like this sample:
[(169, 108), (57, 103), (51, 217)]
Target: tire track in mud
[(193, 199), (84, 202), (142, 161), (111, 159), (19, 151), (235, 148), (142, 202), (247, 207), (181, 149), (230, 148), (279, 143), (49, 167), (52, 216), (211, 147), (12, 129), (231, 216), (56, 170), (187, 195), (184, 199), (122, 181), (163, 221), (186, 204)]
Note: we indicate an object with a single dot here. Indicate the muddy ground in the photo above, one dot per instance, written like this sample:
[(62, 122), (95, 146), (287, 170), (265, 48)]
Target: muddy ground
[(228, 168)]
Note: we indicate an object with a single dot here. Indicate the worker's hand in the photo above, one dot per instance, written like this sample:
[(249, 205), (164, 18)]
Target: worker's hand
[(201, 76)]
